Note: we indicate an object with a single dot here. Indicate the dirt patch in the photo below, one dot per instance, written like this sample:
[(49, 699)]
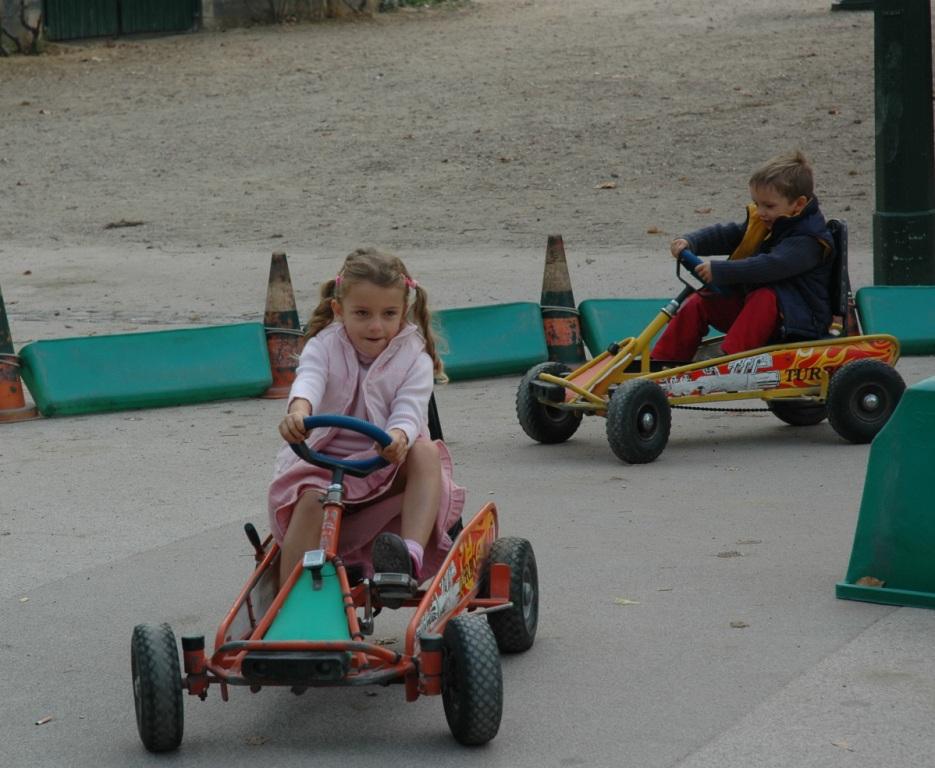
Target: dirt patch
[(479, 125)]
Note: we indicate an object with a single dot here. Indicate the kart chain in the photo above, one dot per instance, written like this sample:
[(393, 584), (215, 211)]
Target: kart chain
[(726, 410)]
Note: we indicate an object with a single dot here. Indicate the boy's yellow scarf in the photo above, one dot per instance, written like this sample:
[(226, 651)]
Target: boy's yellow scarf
[(753, 238), (755, 235)]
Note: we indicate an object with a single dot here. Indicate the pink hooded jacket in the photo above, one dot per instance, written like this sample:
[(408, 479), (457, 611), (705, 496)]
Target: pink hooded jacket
[(396, 389), (396, 392)]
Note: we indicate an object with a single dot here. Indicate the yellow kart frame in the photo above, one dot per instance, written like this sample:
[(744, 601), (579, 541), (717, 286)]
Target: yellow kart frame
[(848, 379)]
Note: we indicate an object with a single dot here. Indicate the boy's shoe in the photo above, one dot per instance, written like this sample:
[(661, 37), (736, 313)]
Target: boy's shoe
[(391, 555), (708, 352), (655, 365)]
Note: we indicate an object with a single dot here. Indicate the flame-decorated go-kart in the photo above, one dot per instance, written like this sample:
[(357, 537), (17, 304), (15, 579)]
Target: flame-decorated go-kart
[(848, 379), (311, 631)]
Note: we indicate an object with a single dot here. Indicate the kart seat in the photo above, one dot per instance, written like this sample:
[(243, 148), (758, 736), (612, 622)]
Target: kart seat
[(435, 424)]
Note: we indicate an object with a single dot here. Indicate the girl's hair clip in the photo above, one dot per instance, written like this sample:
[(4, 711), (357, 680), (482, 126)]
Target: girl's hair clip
[(338, 280), (410, 283)]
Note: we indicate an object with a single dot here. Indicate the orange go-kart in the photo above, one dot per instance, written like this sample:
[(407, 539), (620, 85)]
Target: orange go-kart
[(312, 631), (848, 379)]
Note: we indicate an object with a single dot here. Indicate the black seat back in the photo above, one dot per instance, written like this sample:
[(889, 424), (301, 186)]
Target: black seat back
[(842, 300), (435, 424), (840, 281)]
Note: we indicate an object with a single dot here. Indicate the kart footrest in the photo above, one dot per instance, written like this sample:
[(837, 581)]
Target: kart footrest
[(393, 588), (295, 668)]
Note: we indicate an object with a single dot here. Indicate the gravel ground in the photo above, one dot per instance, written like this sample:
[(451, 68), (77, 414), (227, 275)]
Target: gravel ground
[(481, 125)]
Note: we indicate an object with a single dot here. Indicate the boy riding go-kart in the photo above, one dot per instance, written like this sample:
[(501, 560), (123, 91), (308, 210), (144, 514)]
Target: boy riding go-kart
[(848, 379)]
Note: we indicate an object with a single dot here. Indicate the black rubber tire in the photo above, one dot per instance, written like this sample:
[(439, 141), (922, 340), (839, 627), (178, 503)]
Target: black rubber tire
[(862, 396), (515, 627), (541, 423), (157, 687), (472, 681), (638, 421), (798, 413)]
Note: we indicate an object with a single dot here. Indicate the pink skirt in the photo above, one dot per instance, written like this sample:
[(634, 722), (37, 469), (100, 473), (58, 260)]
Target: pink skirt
[(375, 511)]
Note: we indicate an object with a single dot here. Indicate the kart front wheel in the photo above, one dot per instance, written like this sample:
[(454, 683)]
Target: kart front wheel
[(472, 681), (638, 421), (542, 423), (862, 396), (515, 627), (798, 413), (157, 686)]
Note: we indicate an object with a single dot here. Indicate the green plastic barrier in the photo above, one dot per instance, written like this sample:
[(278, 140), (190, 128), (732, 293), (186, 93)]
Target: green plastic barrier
[(145, 370), (905, 311), (604, 321), (894, 542), (491, 340), (312, 614)]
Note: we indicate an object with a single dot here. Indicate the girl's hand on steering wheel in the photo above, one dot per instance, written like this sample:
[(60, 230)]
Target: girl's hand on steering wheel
[(292, 427), (396, 451)]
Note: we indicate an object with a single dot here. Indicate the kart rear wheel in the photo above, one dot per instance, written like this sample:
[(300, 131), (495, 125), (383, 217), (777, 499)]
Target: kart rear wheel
[(638, 421), (515, 627), (542, 423), (472, 681), (157, 687), (798, 413), (862, 396)]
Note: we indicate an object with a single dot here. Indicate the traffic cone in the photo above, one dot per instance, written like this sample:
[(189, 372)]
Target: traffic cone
[(283, 331), (12, 403), (559, 315)]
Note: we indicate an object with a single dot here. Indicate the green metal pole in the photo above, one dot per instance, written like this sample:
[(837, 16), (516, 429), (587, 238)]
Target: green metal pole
[(904, 220)]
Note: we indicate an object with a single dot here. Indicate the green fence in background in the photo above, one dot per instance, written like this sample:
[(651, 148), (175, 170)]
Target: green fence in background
[(70, 19), (76, 19), (157, 15)]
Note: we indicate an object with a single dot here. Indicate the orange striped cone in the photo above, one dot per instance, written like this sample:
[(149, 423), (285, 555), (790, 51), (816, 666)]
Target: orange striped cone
[(12, 402), (283, 331), (559, 315)]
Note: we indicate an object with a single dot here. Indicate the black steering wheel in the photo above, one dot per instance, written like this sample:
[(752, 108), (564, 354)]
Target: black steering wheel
[(354, 467)]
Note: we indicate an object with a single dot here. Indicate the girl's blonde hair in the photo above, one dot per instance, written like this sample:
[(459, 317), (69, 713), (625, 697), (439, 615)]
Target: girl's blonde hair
[(386, 271)]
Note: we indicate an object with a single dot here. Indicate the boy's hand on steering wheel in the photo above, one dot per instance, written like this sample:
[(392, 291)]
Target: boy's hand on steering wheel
[(396, 451), (677, 246), (703, 271), (292, 427)]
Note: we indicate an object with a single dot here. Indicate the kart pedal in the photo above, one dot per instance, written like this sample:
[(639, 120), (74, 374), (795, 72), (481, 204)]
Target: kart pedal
[(394, 588)]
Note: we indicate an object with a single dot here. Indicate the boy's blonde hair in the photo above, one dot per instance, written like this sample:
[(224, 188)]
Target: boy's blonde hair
[(386, 271), (790, 174)]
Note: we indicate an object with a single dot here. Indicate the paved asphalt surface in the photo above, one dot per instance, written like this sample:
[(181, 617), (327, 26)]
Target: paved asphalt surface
[(688, 615)]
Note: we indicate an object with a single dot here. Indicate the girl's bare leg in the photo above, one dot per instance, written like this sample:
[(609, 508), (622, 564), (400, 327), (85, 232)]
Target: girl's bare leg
[(422, 474), (303, 533)]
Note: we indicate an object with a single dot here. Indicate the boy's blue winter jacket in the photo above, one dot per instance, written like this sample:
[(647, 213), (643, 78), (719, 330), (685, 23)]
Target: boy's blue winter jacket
[(794, 259)]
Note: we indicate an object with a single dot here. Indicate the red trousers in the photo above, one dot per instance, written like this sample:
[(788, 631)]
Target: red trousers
[(749, 321)]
